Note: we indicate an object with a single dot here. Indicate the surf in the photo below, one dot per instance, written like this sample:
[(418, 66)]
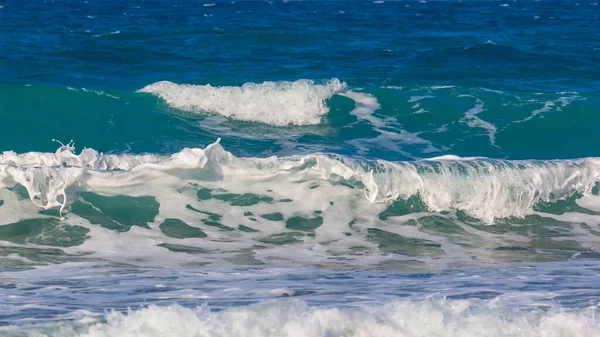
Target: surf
[(209, 202), (484, 188), (289, 318)]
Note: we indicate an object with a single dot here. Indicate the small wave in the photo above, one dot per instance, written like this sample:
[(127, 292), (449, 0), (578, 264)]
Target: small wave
[(278, 103)]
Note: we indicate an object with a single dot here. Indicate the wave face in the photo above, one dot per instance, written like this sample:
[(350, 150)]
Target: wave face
[(387, 123), (278, 103), (208, 200)]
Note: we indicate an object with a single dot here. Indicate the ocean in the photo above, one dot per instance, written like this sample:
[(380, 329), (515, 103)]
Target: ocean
[(299, 168)]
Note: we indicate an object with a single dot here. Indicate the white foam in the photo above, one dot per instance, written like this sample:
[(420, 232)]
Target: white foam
[(472, 119), (454, 157), (557, 105), (547, 107), (591, 202), (294, 318), (279, 103), (46, 176), (365, 107), (486, 189), (419, 98)]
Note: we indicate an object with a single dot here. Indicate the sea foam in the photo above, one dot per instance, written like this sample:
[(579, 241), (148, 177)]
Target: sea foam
[(301, 102), (483, 188), (291, 318)]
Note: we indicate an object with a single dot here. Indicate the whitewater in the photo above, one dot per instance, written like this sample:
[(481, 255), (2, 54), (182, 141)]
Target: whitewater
[(278, 103), (299, 168), (484, 188), (343, 217)]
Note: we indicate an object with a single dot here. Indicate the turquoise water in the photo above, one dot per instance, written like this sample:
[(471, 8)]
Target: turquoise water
[(299, 168)]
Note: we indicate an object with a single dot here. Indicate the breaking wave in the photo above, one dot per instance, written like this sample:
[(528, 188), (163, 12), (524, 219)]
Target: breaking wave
[(295, 318), (483, 188), (301, 102)]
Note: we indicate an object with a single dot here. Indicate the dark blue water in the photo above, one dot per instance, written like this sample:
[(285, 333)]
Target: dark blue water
[(532, 52), (539, 46)]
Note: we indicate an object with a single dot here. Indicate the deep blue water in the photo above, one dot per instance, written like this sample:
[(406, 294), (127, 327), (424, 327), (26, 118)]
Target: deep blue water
[(533, 52), (537, 45)]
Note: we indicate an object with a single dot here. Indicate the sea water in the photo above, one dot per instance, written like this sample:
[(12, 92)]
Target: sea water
[(351, 168)]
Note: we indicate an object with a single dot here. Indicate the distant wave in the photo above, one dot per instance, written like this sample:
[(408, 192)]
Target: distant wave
[(301, 102)]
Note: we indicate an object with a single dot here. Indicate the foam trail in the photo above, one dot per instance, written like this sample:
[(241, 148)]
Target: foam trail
[(483, 188), (301, 102), (557, 105), (365, 107), (414, 99), (295, 318), (473, 120)]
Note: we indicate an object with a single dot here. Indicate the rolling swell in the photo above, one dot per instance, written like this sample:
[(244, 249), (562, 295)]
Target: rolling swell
[(303, 117)]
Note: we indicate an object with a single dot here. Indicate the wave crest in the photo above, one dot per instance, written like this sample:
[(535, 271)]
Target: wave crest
[(483, 188), (301, 102)]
